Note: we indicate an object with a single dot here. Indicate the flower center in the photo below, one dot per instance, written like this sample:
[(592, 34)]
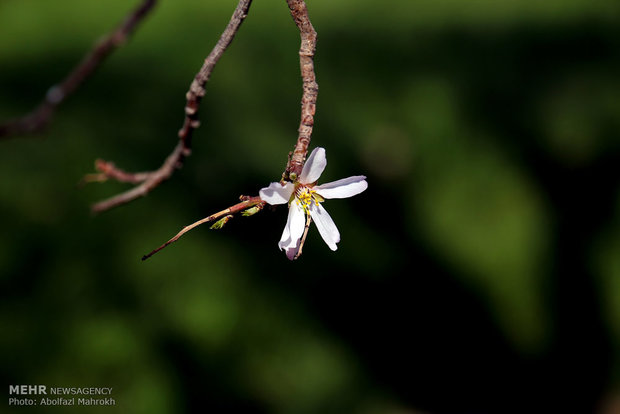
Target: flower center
[(305, 197)]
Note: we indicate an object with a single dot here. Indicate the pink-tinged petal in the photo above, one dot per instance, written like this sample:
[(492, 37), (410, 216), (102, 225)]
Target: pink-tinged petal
[(326, 226), (347, 187), (314, 166), (290, 247), (276, 193), (291, 251), (289, 242)]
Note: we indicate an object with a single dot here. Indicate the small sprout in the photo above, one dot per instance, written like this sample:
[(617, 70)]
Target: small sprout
[(221, 222), (252, 210)]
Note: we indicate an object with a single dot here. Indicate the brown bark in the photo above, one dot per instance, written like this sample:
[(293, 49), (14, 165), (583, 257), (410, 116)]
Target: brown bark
[(299, 12)]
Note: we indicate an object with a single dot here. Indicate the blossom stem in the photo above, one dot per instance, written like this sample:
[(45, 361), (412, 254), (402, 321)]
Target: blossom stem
[(303, 237)]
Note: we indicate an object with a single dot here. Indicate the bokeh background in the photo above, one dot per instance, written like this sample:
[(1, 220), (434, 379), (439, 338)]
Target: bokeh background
[(479, 273)]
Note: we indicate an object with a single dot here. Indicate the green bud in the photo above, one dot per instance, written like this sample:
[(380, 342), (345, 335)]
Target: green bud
[(221, 222), (293, 176), (251, 211)]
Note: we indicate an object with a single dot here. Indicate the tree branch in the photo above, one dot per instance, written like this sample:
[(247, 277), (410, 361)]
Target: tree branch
[(244, 205), (150, 180), (41, 116), (299, 12)]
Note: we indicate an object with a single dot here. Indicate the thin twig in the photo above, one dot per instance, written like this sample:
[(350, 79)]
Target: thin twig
[(110, 171), (175, 160), (152, 180), (197, 88), (246, 203), (299, 12), (41, 116)]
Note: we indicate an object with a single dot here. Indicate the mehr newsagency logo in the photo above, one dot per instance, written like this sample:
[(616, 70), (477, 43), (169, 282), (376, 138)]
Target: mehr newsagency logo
[(50, 396)]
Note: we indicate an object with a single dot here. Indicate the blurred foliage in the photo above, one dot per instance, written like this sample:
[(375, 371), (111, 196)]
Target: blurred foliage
[(479, 272)]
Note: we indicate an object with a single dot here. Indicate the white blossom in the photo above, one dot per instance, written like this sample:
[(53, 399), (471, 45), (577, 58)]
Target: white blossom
[(304, 198)]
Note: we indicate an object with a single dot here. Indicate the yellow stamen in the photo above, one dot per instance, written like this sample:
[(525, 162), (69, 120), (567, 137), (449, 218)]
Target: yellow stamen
[(305, 197)]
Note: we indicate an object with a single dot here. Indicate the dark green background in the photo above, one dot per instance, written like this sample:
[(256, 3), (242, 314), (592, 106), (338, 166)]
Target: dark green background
[(479, 273)]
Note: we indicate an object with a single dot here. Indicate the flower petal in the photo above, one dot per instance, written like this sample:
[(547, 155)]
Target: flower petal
[(289, 242), (314, 166), (277, 193), (326, 226), (290, 247), (347, 187), (291, 251), (297, 220), (285, 239)]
